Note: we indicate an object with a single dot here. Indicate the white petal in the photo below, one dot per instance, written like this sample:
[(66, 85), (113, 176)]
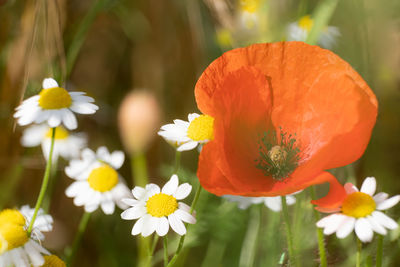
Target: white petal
[(49, 83), (273, 203), (380, 197), (149, 225), (108, 206), (384, 220), (138, 192), (364, 230), (193, 116), (55, 118), (130, 201), (84, 108), (187, 146), (117, 159), (33, 135), (350, 188), (331, 223), (171, 186), (138, 227), (176, 224), (183, 191), (388, 203), (133, 213), (376, 226), (346, 228), (183, 206), (152, 189), (103, 154), (162, 226), (369, 186), (185, 216), (69, 120), (75, 188)]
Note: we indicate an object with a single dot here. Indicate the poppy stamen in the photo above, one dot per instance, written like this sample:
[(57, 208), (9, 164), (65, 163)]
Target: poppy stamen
[(278, 157)]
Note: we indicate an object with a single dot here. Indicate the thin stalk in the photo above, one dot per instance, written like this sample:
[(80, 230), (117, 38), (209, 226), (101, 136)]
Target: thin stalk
[(358, 255), (182, 239), (289, 235), (249, 246), (52, 183), (379, 251), (153, 247), (78, 237), (165, 239), (320, 234), (177, 161), (45, 182)]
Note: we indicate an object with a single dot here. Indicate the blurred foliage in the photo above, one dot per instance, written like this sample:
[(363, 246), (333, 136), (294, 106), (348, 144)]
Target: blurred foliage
[(110, 47)]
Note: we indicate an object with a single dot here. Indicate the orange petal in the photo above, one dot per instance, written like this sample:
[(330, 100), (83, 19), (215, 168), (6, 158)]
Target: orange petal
[(334, 199)]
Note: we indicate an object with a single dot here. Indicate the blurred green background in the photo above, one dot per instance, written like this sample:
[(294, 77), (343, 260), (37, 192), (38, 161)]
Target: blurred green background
[(109, 48)]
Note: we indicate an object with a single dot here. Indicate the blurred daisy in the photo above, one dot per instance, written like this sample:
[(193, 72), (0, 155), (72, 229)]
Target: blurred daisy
[(248, 10), (361, 211), (273, 203), (97, 181), (186, 135), (54, 105), (16, 247), (67, 145), (158, 209), (298, 31), (53, 261)]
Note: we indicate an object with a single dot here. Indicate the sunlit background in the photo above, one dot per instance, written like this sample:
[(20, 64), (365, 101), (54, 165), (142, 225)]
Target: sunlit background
[(109, 48)]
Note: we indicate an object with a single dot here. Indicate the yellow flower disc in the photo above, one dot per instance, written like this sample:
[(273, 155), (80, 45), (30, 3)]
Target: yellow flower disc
[(201, 128), (11, 216), (358, 205), (53, 261), (55, 98), (103, 178), (250, 5), (61, 133), (12, 236), (306, 23), (161, 205)]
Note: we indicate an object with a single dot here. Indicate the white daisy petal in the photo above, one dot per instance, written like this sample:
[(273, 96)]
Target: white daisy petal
[(133, 213), (184, 207), (108, 207), (388, 203), (331, 223), (171, 186), (149, 226), (130, 201), (369, 186), (117, 159), (162, 226), (376, 227), (363, 230), (380, 197), (138, 227), (350, 188), (176, 224), (185, 216), (274, 203), (69, 120), (384, 220), (346, 227), (152, 189), (183, 191), (138, 192), (188, 146), (49, 83)]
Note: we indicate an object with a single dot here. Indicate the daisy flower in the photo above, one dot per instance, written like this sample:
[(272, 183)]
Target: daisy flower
[(97, 181), (53, 261), (186, 135), (16, 247), (67, 145), (361, 211), (157, 209), (273, 203), (298, 31), (54, 105)]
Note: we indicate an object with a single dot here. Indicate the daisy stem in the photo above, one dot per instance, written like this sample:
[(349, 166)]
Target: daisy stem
[(153, 247), (165, 239), (358, 255), (182, 239), (78, 237), (177, 161), (45, 182), (321, 243), (289, 236), (379, 251)]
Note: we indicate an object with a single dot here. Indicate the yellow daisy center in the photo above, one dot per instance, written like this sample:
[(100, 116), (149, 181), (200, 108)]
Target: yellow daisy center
[(55, 98), (61, 133), (161, 205), (53, 261), (12, 230), (103, 178), (358, 205), (201, 128), (249, 5), (306, 23)]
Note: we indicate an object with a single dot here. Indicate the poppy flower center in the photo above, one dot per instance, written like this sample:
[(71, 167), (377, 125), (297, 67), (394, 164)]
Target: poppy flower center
[(12, 230), (61, 133), (278, 158), (55, 98), (103, 178), (161, 205), (306, 23), (53, 261), (358, 205), (201, 128)]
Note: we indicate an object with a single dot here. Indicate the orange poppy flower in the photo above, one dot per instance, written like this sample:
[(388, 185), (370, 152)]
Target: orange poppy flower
[(284, 113)]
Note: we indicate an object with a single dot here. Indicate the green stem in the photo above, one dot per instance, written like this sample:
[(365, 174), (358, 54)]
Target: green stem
[(153, 247), (249, 246), (165, 239), (289, 236), (379, 251), (182, 239), (177, 161), (320, 234), (78, 237), (50, 190), (44, 182), (358, 255)]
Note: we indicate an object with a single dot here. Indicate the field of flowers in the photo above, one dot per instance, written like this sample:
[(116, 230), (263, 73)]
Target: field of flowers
[(199, 133)]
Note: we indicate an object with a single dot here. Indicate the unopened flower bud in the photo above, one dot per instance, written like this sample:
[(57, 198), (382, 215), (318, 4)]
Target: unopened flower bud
[(139, 120)]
